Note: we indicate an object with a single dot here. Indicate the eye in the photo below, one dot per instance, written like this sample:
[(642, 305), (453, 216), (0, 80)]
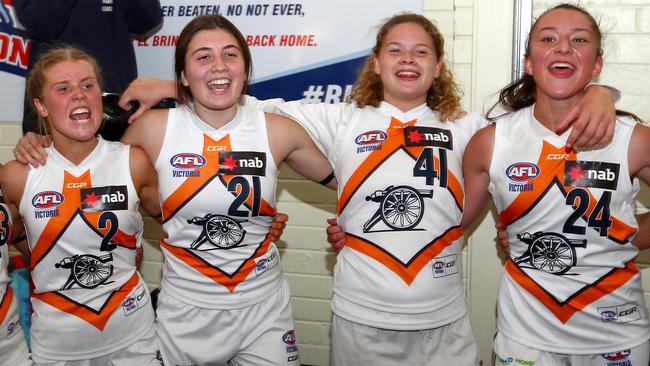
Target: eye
[(394, 50), (202, 57), (231, 54), (62, 89), (422, 52), (548, 39), (87, 86), (580, 40)]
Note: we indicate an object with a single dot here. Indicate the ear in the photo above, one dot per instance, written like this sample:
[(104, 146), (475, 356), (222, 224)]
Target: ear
[(40, 108), (375, 63), (184, 80), (528, 66), (598, 67), (437, 69)]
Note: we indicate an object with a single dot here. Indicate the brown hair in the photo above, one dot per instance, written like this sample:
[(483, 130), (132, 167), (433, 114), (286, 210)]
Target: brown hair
[(206, 22), (521, 92), (444, 95), (36, 77)]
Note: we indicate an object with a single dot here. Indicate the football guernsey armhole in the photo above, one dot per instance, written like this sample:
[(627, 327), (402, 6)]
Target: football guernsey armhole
[(171, 126), (498, 144)]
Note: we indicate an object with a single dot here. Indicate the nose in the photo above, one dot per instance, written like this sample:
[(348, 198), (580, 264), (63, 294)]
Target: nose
[(78, 93), (407, 58), (564, 46), (219, 66)]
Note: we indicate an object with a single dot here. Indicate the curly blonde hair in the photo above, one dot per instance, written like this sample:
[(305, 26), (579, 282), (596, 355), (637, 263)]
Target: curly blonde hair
[(443, 96)]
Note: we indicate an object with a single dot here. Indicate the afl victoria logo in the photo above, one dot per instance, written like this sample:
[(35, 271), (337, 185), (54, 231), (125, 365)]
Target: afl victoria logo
[(187, 161), (522, 172), (371, 137), (47, 199)]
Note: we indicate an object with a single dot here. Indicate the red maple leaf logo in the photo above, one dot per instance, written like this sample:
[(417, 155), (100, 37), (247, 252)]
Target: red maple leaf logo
[(576, 173), (229, 163), (91, 199), (415, 136)]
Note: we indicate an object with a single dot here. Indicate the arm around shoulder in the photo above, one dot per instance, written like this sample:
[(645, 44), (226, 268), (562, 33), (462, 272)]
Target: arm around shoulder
[(290, 143)]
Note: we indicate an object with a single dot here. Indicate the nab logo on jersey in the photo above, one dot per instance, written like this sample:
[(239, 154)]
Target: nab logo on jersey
[(47, 199), (371, 137), (596, 174), (105, 198), (187, 161), (522, 172)]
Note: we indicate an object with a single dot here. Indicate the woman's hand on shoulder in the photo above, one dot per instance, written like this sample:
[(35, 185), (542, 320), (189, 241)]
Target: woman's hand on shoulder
[(30, 149), (593, 119)]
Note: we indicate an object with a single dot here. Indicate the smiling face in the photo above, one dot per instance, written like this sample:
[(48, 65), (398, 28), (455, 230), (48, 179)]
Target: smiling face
[(214, 70), (563, 54), (407, 65), (70, 100)]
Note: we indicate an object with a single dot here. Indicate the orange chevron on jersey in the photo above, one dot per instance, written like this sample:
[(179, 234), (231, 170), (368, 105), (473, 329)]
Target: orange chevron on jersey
[(552, 174), (68, 208), (5, 303), (228, 281), (564, 311), (407, 271), (550, 171), (395, 141), (98, 318), (188, 189)]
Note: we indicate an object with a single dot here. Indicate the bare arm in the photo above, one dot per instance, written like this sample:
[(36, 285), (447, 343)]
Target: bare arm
[(145, 181), (476, 164), (13, 176), (291, 143), (639, 165), (148, 132)]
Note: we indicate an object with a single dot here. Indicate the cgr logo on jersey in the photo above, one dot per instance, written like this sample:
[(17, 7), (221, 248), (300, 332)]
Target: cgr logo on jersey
[(428, 136), (45, 203), (521, 174), (370, 140), (594, 174), (242, 163), (107, 198), (620, 314), (187, 165)]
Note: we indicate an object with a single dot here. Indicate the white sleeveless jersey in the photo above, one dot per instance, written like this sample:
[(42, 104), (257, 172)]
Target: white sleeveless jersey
[(570, 285), (217, 187), (83, 227), (400, 201), (9, 323)]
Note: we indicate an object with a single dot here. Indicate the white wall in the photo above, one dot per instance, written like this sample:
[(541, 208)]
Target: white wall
[(478, 47)]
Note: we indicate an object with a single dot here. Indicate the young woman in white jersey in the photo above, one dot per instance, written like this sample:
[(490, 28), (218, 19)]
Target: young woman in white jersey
[(80, 210), (570, 294), (13, 349), (224, 298)]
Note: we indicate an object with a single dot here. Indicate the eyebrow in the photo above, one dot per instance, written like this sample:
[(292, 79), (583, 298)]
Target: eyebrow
[(573, 29), (210, 48), (67, 81)]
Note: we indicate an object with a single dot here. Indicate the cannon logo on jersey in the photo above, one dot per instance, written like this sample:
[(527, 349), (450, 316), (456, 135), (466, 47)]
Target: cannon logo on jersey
[(428, 136), (187, 165), (109, 198), (594, 174), (242, 163), (370, 140), (45, 203), (521, 176), (620, 314)]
